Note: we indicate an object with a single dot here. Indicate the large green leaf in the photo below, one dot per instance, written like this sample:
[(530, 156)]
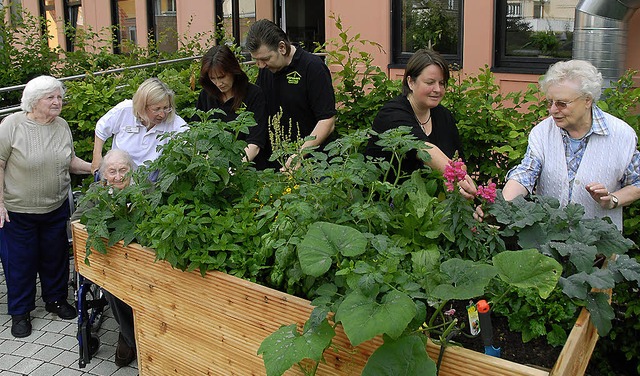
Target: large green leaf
[(574, 286), (528, 269), (583, 256), (426, 260), (325, 240), (533, 236), (286, 347), (364, 318), (578, 285), (467, 279), (601, 312), (627, 267), (405, 357)]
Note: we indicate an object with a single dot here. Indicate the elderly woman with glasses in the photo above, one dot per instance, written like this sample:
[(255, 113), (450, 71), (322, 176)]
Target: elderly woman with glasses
[(137, 124), (579, 154), (36, 158)]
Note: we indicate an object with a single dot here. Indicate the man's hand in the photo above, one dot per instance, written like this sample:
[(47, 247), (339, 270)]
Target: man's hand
[(293, 163)]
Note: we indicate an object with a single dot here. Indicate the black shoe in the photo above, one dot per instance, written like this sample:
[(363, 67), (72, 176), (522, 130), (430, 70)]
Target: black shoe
[(21, 325), (124, 354), (61, 308)]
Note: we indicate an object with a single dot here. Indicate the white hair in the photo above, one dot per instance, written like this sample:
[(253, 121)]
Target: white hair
[(37, 89), (580, 72), (115, 154)]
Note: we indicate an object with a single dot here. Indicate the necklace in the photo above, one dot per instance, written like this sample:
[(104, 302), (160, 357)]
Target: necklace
[(425, 122), (422, 124)]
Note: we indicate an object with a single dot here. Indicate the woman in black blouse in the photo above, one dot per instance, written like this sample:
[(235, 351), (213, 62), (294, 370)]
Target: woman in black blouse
[(226, 86), (423, 87)]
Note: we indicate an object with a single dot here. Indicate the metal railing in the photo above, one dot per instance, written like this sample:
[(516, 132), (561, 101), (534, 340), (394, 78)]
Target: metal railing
[(8, 110)]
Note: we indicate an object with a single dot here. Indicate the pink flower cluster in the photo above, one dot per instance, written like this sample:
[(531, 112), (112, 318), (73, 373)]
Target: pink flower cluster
[(454, 172), (488, 192)]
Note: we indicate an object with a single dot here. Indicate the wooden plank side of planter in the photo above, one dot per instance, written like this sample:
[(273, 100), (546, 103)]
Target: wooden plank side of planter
[(575, 355), (458, 361), (190, 325), (187, 324)]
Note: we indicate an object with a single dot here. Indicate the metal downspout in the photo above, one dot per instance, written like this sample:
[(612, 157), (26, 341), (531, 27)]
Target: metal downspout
[(600, 35)]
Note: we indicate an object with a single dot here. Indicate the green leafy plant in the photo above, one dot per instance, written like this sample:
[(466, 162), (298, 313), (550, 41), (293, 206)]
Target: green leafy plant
[(431, 25), (202, 216), (493, 126), (382, 296), (534, 317), (361, 87), (545, 41), (563, 233)]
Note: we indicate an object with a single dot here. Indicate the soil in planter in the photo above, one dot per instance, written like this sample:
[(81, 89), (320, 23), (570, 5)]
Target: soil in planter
[(536, 353)]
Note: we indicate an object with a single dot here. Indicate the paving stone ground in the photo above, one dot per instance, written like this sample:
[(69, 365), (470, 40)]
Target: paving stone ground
[(52, 347)]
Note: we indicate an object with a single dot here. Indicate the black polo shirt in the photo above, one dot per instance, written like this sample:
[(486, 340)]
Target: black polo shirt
[(303, 90)]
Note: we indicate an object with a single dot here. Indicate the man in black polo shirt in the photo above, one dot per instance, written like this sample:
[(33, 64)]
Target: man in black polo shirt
[(295, 81)]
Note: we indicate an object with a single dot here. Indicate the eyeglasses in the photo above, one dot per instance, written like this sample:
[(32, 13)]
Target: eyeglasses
[(561, 105), (158, 110)]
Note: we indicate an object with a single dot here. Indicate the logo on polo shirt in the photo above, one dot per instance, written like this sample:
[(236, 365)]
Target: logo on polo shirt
[(293, 78)]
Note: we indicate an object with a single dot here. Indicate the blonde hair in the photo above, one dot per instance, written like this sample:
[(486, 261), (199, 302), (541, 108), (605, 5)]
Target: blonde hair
[(150, 92)]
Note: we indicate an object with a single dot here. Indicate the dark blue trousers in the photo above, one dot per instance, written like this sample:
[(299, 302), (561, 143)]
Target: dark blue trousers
[(31, 245), (123, 314)]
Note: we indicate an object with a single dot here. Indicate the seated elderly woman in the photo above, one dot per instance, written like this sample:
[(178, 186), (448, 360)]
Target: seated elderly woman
[(115, 171), (115, 168)]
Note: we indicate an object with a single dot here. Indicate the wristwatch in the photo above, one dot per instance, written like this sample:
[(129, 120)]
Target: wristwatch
[(614, 199)]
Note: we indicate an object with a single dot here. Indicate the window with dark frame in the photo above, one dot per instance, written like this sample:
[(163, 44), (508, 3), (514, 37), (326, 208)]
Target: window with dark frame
[(435, 24), (530, 35), (165, 25), (72, 11), (124, 19), (15, 8), (235, 17)]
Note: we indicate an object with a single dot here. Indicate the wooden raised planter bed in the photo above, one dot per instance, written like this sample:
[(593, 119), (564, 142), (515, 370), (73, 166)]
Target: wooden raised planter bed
[(187, 324)]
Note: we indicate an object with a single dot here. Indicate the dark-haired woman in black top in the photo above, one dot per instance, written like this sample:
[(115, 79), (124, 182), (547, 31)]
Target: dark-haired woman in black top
[(226, 86), (423, 87)]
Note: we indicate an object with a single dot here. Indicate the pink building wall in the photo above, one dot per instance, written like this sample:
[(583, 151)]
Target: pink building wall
[(370, 18), (373, 25), (200, 13)]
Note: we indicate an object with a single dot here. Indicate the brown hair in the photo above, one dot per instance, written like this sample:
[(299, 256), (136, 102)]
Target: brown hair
[(420, 60), (221, 58)]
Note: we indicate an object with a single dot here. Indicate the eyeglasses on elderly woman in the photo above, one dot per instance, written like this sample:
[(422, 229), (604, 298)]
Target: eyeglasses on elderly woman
[(157, 110), (561, 105)]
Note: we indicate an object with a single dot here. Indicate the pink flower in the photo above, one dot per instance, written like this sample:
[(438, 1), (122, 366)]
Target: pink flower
[(449, 186), (454, 172), (488, 192), (450, 312)]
